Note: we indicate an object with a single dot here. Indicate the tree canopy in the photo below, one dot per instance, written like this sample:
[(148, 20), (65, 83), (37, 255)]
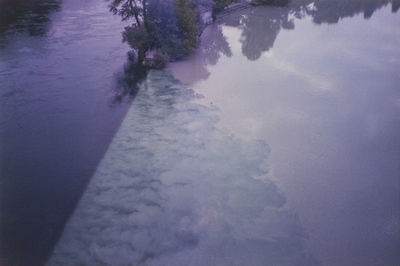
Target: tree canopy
[(168, 29)]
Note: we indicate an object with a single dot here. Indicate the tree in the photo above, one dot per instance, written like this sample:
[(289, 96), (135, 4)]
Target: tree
[(167, 26), (138, 39), (135, 35), (128, 9), (187, 24)]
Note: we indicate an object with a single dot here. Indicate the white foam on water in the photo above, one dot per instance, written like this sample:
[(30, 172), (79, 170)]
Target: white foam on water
[(174, 190)]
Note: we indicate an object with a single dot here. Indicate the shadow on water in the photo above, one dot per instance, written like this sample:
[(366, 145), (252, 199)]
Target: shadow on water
[(28, 232), (173, 189), (33, 231), (16, 248), (27, 16), (55, 118)]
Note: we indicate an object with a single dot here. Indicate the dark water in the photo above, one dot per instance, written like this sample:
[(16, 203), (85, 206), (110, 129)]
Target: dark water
[(60, 63), (276, 144)]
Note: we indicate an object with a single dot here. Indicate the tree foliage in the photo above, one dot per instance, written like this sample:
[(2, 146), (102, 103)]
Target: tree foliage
[(187, 24), (168, 27), (128, 9), (138, 39)]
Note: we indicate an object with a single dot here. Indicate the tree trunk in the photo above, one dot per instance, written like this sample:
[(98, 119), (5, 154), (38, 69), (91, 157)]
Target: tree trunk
[(135, 13)]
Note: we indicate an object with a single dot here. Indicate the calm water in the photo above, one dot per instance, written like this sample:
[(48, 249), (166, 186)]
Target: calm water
[(277, 143), (326, 99), (60, 63)]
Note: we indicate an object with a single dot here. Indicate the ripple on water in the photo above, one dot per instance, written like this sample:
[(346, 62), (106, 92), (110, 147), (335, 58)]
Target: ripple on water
[(175, 190)]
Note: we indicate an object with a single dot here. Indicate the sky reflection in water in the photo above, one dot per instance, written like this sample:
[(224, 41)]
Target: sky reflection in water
[(297, 118), (175, 190), (206, 182), (325, 98)]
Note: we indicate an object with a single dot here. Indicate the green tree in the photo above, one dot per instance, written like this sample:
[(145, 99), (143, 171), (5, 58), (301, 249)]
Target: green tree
[(167, 27), (187, 24), (128, 9), (135, 35), (138, 39)]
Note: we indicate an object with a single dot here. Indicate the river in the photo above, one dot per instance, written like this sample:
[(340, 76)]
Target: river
[(276, 143), (320, 86), (61, 67)]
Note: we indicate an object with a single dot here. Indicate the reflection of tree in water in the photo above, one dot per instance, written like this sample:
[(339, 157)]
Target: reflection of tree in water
[(333, 10), (395, 5), (215, 45), (128, 82), (267, 21), (261, 25), (31, 16)]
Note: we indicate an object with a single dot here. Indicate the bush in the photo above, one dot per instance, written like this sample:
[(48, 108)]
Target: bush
[(160, 59), (138, 39)]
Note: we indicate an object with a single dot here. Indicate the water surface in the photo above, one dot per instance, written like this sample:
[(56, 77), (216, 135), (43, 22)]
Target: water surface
[(173, 189), (59, 65), (321, 88), (275, 144)]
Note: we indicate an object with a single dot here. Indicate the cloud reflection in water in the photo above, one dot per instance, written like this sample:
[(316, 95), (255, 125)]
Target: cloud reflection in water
[(175, 190)]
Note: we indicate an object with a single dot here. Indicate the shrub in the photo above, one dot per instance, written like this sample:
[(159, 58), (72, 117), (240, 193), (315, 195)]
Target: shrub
[(160, 59)]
